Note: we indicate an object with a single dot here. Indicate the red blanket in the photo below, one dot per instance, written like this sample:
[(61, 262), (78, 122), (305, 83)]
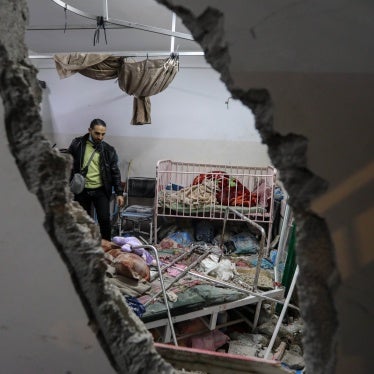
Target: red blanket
[(230, 191)]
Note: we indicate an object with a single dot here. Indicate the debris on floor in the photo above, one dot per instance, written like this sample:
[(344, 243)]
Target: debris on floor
[(235, 261)]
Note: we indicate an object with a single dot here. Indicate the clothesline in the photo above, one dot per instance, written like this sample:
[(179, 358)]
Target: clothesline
[(124, 54)]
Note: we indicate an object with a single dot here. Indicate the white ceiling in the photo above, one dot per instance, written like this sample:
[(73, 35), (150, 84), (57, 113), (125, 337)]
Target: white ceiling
[(306, 36), (46, 35)]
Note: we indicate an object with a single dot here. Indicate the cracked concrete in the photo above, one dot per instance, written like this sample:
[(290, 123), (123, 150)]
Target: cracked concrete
[(73, 233), (317, 281), (126, 341), (45, 173)]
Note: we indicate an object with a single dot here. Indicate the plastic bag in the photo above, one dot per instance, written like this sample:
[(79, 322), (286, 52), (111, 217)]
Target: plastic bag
[(245, 243), (183, 238), (223, 270)]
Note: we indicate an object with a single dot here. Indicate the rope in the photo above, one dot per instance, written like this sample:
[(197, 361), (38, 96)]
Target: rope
[(66, 17)]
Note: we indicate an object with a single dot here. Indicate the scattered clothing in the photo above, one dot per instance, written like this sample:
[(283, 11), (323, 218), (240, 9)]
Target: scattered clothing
[(135, 305)]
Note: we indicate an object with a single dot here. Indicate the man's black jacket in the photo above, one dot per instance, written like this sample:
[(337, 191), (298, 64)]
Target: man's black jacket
[(109, 171)]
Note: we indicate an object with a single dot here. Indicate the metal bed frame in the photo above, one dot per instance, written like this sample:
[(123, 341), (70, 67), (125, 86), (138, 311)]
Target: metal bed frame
[(173, 175), (212, 313), (170, 175), (254, 296)]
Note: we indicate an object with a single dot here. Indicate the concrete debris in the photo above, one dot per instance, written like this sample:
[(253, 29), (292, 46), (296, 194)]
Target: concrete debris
[(288, 344), (242, 348), (296, 349), (250, 338), (293, 360), (291, 332)]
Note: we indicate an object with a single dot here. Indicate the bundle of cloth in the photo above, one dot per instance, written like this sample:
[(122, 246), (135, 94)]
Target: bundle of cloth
[(132, 244), (229, 191), (191, 196), (128, 258)]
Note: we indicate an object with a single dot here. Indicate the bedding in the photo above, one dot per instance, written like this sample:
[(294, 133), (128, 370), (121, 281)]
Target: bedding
[(206, 192), (197, 190), (190, 291), (192, 299), (228, 190), (180, 207)]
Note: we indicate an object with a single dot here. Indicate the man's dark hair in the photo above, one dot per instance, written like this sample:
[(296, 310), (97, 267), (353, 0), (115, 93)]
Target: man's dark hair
[(97, 121)]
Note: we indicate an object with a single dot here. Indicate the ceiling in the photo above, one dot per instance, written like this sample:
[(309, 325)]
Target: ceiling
[(46, 32), (307, 36)]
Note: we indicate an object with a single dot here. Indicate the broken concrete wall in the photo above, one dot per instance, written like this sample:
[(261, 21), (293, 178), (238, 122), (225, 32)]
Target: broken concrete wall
[(316, 124), (127, 343), (318, 130), (43, 324)]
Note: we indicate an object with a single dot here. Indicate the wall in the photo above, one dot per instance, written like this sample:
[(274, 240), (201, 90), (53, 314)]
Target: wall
[(306, 71), (332, 112), (190, 119), (43, 328)]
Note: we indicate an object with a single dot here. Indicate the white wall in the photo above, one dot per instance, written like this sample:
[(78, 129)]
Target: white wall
[(190, 120)]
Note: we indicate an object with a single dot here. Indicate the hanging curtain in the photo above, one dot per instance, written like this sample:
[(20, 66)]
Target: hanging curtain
[(143, 79), (140, 79), (96, 66)]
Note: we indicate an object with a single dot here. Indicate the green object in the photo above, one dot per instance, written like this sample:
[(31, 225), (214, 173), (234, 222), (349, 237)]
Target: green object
[(290, 265)]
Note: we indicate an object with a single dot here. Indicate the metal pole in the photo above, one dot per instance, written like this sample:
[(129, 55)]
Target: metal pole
[(262, 241), (105, 10), (224, 228), (176, 279), (237, 288), (285, 305), (162, 287), (257, 315), (124, 54), (185, 254), (172, 39)]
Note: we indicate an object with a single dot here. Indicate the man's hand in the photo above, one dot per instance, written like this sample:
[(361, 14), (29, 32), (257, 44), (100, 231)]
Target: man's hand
[(120, 201)]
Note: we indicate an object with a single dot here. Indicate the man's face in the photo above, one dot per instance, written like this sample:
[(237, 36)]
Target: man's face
[(97, 133)]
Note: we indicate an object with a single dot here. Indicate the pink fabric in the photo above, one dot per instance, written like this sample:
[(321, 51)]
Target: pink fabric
[(209, 341), (175, 272), (263, 192)]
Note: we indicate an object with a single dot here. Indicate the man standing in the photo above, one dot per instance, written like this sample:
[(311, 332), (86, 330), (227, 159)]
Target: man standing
[(102, 174)]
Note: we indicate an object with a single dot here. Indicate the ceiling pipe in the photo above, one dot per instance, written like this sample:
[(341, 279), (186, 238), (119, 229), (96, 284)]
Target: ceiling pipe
[(72, 27), (172, 39), (122, 54), (105, 10)]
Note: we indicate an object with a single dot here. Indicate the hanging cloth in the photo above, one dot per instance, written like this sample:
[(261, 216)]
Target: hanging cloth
[(143, 79), (104, 70), (140, 79), (91, 65), (141, 111)]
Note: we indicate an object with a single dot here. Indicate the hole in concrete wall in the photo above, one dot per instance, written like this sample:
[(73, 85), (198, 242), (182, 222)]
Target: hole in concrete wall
[(127, 343), (318, 277), (45, 173)]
